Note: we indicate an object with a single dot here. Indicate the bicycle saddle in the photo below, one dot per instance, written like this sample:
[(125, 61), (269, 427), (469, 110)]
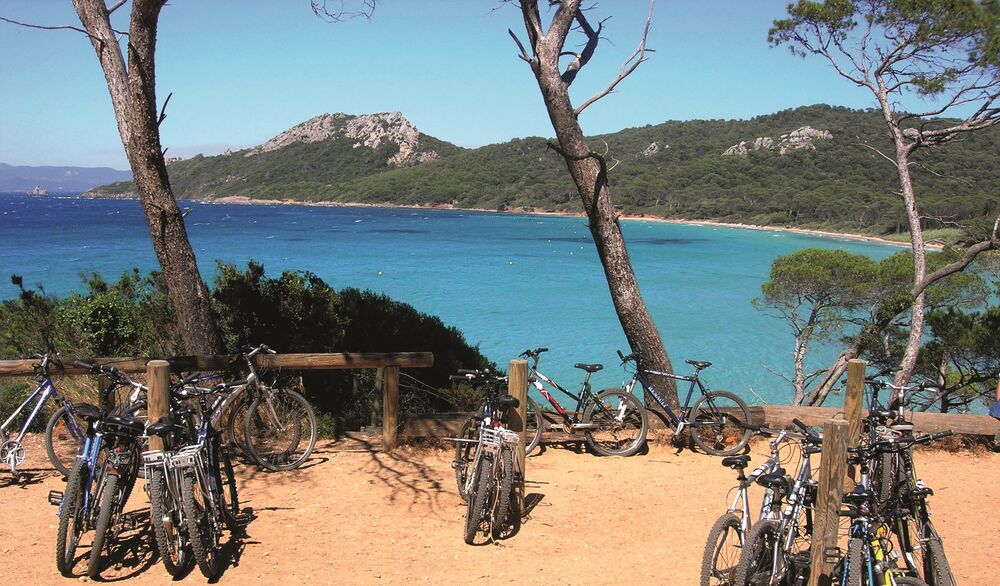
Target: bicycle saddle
[(698, 364), (130, 424), (507, 402), (776, 480), (736, 462), (87, 411), (162, 427), (589, 367)]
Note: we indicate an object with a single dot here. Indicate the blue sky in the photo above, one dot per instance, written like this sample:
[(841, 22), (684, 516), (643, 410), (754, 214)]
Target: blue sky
[(241, 72)]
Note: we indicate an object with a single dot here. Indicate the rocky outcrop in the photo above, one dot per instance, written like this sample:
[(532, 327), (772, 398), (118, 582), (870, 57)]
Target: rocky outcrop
[(653, 148), (370, 130), (804, 137)]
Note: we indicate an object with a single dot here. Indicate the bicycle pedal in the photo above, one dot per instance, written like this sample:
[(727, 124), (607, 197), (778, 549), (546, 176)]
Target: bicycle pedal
[(55, 497), (458, 464), (832, 555), (130, 521)]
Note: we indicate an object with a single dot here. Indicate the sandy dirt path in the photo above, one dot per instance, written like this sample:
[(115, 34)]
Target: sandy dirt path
[(357, 516)]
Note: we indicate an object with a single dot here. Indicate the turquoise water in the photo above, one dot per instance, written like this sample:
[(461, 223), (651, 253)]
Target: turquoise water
[(508, 281)]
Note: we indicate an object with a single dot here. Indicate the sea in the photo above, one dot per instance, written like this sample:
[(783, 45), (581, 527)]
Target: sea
[(508, 281)]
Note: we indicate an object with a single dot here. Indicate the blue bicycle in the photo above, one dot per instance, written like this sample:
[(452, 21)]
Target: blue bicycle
[(63, 433), (102, 477)]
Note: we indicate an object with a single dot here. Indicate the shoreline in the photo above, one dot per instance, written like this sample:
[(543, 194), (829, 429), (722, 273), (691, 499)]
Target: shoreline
[(244, 200)]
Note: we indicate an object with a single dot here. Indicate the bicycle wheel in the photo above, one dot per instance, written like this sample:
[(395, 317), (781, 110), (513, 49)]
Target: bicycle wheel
[(757, 559), (231, 424), (229, 499), (909, 581), (505, 486), (72, 523), (478, 500), (619, 423), (853, 571), (63, 437), (201, 527), (280, 429), (465, 453), (722, 552), (534, 425), (165, 516), (720, 423), (109, 498), (937, 570)]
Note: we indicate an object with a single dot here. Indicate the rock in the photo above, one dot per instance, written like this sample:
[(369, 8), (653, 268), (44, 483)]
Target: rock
[(804, 137), (370, 130)]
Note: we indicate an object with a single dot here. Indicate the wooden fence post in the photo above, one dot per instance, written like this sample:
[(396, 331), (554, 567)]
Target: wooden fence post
[(390, 406), (157, 396), (517, 387), (853, 402), (826, 516)]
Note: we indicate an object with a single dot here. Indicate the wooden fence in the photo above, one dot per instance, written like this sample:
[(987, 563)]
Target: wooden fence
[(387, 363)]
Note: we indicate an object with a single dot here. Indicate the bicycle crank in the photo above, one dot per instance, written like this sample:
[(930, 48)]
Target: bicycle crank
[(12, 453)]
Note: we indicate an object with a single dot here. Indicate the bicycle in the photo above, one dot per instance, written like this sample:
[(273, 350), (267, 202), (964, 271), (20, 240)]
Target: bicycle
[(277, 426), (163, 479), (870, 558), (64, 430), (777, 550), (729, 532), (613, 421), (484, 458), (719, 420), (101, 480)]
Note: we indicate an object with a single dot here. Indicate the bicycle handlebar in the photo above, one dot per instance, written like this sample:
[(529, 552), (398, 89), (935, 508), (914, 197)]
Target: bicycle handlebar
[(810, 436)]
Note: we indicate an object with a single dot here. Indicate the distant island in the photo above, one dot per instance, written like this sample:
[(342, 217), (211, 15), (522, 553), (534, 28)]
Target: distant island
[(53, 179), (810, 167)]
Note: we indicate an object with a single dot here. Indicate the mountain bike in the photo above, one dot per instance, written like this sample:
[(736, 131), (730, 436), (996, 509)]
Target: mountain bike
[(613, 421), (871, 559), (63, 433), (484, 457), (274, 426), (719, 420), (729, 532), (776, 551), (101, 480)]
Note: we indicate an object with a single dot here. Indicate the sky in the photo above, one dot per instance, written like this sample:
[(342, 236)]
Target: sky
[(242, 72)]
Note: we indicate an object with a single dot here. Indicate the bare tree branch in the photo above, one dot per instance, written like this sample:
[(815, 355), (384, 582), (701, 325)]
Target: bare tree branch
[(163, 111), (635, 59), (524, 54), (48, 28), (339, 12)]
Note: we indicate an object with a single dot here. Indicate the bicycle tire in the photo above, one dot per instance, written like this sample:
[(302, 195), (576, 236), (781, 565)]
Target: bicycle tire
[(534, 425), (200, 526), (853, 572), (756, 560), (108, 492), (284, 438), (71, 524), (909, 581), (61, 444), (165, 516), (937, 570), (884, 479), (715, 429), (478, 501), (232, 424), (226, 485), (505, 487), (725, 533), (465, 453), (621, 421)]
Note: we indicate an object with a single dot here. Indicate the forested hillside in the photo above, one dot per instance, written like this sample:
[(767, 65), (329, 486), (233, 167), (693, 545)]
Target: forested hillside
[(832, 178)]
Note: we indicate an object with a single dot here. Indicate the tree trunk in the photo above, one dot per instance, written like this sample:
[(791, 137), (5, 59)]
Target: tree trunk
[(829, 381), (590, 176), (133, 96)]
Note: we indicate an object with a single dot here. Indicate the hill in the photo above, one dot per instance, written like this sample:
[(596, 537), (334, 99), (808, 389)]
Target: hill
[(812, 166), (56, 179)]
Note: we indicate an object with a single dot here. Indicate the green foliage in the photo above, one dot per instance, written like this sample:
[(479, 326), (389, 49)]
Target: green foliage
[(11, 396), (841, 185)]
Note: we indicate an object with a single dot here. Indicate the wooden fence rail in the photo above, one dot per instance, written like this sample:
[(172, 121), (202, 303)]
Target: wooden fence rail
[(388, 364)]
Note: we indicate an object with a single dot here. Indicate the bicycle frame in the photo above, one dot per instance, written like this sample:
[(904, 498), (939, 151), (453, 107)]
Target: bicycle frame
[(742, 499), (585, 394), (680, 419), (13, 453)]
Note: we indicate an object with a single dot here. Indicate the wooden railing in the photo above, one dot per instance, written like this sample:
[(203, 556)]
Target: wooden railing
[(157, 370)]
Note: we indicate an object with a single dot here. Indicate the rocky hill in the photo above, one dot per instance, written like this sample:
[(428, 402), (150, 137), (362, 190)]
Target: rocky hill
[(57, 179), (811, 166)]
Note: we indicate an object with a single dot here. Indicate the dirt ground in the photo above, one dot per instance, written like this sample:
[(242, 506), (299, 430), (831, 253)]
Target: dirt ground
[(354, 515)]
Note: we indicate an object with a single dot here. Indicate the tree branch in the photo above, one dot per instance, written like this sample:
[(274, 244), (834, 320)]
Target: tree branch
[(163, 110), (630, 65), (959, 265), (340, 13), (49, 28)]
